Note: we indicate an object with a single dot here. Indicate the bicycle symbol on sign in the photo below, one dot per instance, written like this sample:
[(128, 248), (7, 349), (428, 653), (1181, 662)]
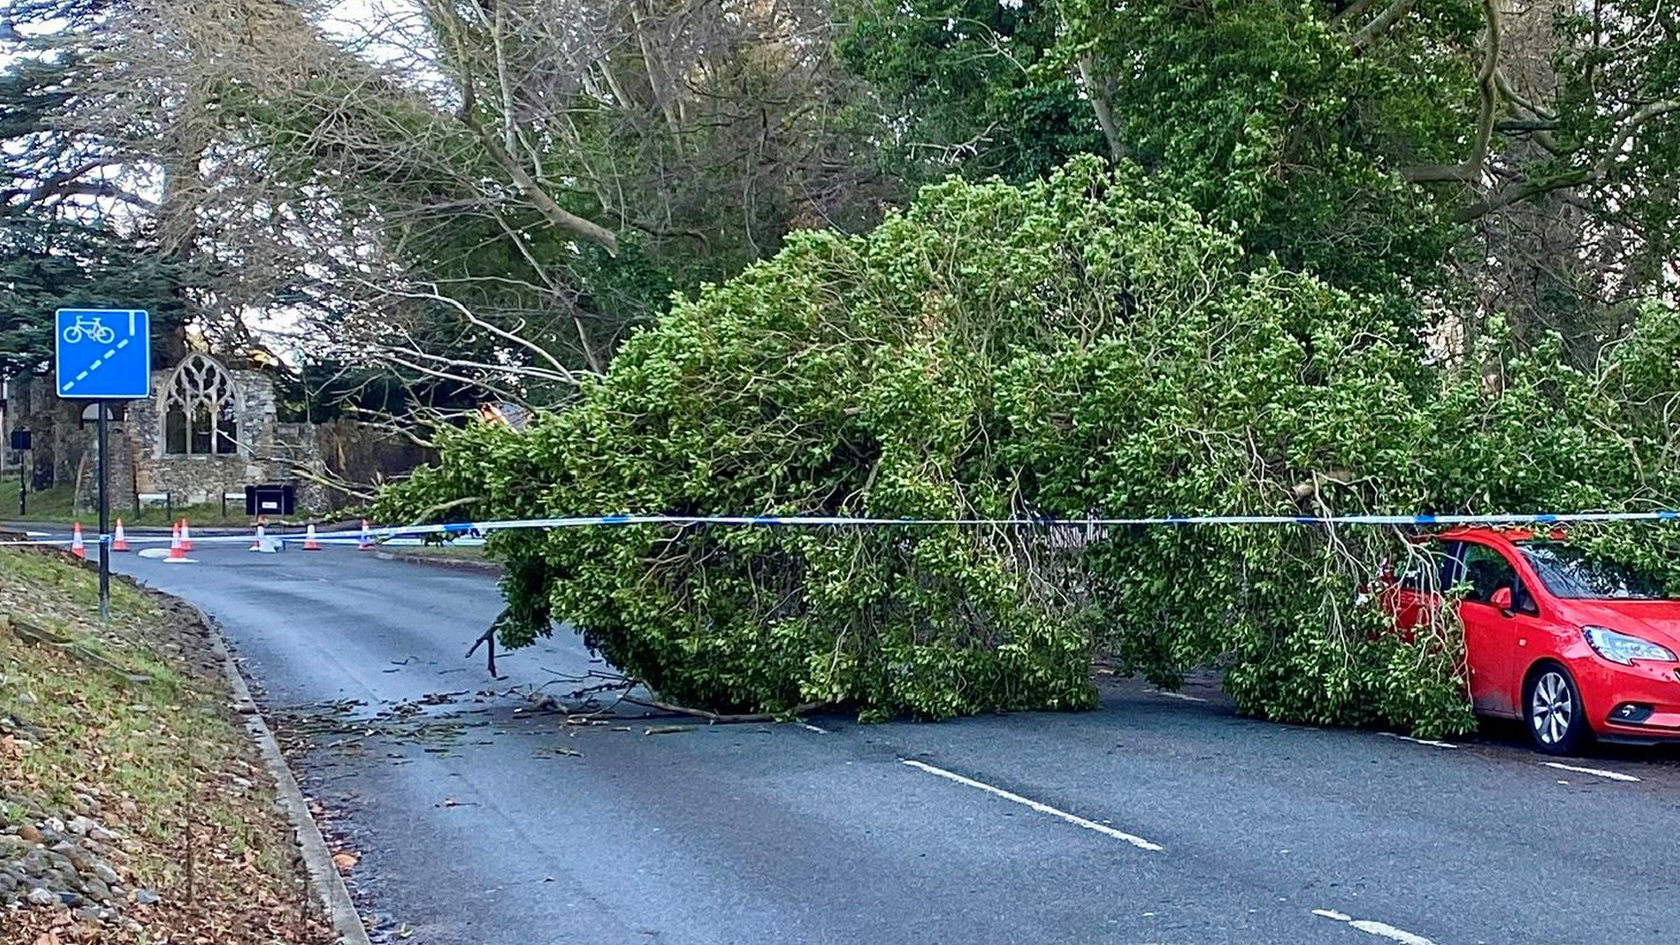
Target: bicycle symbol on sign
[(88, 328)]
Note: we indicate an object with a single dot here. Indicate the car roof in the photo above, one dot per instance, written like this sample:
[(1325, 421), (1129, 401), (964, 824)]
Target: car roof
[(1500, 534)]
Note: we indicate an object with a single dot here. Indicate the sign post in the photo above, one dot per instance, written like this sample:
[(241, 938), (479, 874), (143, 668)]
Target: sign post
[(22, 440), (104, 355), (104, 510)]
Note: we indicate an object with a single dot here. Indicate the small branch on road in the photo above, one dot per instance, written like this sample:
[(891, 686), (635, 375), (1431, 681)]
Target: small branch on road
[(488, 639), (718, 718)]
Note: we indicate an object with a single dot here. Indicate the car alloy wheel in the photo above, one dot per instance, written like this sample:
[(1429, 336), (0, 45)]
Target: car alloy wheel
[(1554, 711)]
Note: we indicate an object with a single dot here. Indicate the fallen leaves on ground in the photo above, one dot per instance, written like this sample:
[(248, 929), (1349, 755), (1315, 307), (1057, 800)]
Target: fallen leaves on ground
[(134, 725)]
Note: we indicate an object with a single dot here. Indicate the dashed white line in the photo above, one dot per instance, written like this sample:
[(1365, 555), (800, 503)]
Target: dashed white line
[(1595, 772), (1418, 741), (1074, 819), (97, 362), (1380, 929)]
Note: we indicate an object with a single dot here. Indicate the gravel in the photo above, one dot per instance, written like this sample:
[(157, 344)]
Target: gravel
[(47, 862)]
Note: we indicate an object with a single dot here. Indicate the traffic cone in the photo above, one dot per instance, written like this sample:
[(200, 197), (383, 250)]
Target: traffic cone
[(186, 536), (76, 546), (309, 542), (260, 540), (366, 544), (177, 554), (119, 542)]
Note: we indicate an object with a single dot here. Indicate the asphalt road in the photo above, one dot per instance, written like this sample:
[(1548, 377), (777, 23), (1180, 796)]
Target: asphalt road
[(481, 818)]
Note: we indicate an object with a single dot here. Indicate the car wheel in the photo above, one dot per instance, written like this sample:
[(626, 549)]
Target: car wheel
[(1552, 707)]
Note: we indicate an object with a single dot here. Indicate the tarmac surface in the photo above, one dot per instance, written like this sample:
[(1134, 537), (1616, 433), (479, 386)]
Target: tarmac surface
[(483, 815)]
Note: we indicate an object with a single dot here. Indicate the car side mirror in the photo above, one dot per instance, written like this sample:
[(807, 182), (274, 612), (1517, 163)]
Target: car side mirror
[(1502, 599)]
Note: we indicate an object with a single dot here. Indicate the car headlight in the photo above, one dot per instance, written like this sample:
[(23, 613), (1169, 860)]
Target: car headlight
[(1624, 648)]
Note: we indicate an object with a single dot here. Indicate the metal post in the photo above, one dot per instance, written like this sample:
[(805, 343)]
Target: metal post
[(104, 512), (23, 484)]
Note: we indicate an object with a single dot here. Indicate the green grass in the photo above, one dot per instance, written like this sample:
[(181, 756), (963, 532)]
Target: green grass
[(58, 505), (77, 586), (448, 552), (50, 505), (141, 729)]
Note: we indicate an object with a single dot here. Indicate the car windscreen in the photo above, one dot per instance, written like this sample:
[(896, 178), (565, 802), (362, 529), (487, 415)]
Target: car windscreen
[(1569, 572)]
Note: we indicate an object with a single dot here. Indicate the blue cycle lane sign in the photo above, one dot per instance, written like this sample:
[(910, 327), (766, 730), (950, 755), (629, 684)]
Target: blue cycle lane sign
[(104, 354)]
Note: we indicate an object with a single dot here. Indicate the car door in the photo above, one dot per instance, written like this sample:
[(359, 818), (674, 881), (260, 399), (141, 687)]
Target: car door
[(1494, 640)]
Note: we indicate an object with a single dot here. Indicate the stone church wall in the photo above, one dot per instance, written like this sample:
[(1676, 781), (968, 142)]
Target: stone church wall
[(265, 451)]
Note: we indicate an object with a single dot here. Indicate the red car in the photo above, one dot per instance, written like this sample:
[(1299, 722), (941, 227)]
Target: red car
[(1574, 647)]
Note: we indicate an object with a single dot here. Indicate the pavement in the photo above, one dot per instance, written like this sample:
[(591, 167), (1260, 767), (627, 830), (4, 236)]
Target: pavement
[(480, 816)]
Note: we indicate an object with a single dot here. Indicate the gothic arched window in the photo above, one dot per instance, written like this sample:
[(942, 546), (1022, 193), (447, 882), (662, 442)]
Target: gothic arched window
[(198, 409)]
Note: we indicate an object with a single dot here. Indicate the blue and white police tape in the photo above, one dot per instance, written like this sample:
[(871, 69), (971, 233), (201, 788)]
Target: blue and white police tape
[(453, 529)]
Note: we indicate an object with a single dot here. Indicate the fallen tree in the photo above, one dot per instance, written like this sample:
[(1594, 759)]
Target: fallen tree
[(1080, 345)]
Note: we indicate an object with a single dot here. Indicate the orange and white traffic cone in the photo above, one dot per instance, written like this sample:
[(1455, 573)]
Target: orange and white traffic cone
[(177, 554), (260, 541), (119, 542), (309, 541), (366, 544), (186, 536), (76, 546)]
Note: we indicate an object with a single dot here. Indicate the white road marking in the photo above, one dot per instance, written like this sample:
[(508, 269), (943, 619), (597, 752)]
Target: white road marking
[(1074, 819), (108, 355), (819, 730), (1595, 772), (1179, 695), (1418, 741), (1380, 929)]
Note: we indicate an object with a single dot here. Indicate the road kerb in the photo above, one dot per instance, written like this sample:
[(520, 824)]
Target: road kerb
[(482, 567), (317, 856)]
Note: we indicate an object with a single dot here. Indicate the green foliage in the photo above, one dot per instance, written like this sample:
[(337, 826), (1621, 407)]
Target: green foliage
[(975, 87), (1084, 344), (846, 376), (1260, 396), (1259, 113), (1266, 117), (1334, 138), (1618, 66)]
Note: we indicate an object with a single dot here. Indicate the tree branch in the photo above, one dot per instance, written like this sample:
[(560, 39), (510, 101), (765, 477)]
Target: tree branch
[(1523, 190), (1487, 79), (1381, 23), (557, 215), (1105, 115)]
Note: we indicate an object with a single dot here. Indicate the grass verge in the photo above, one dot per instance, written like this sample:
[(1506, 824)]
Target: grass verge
[(119, 747)]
